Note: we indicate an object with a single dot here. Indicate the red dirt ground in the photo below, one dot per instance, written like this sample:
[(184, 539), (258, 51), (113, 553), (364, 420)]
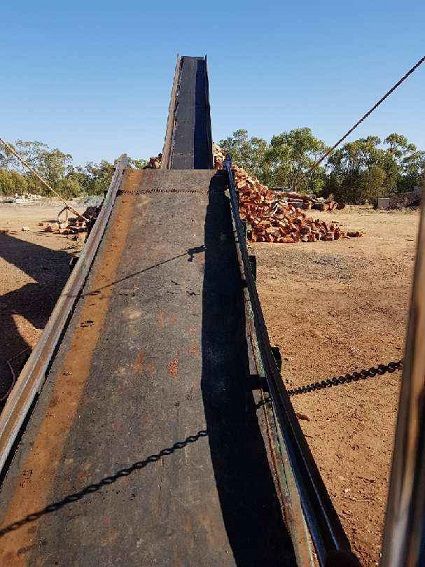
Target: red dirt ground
[(335, 307)]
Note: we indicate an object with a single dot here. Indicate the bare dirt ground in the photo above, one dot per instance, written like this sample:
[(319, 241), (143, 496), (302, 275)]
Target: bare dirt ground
[(335, 307), (34, 266)]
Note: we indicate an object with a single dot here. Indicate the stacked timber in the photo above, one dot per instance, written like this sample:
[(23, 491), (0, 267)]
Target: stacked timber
[(271, 218), (307, 202)]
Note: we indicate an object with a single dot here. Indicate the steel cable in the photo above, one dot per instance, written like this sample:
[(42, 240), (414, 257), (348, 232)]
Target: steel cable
[(368, 113)]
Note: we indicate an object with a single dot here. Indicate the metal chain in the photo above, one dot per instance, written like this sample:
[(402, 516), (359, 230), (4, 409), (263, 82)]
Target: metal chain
[(347, 378)]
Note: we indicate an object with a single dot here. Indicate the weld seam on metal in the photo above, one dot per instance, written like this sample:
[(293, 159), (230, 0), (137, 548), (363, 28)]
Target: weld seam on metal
[(147, 191)]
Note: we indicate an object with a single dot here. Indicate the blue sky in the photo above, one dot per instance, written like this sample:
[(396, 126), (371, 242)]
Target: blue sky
[(93, 78)]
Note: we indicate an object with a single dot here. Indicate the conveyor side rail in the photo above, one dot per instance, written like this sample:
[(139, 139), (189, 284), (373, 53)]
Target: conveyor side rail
[(328, 536)]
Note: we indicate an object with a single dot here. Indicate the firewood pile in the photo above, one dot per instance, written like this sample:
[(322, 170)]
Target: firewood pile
[(271, 219), (154, 162), (69, 225), (307, 202)]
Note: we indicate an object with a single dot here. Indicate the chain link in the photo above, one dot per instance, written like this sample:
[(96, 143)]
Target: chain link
[(347, 378)]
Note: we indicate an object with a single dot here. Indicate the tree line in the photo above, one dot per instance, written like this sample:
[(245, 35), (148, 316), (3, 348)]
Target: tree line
[(358, 172), (57, 168)]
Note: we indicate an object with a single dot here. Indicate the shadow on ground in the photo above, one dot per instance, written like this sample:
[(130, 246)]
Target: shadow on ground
[(33, 301)]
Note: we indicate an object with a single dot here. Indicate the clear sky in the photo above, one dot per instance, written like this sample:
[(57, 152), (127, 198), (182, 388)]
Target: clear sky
[(94, 77)]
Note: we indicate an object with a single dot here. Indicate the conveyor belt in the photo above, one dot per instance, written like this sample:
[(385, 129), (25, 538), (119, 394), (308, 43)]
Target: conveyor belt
[(155, 353), (145, 444), (189, 138)]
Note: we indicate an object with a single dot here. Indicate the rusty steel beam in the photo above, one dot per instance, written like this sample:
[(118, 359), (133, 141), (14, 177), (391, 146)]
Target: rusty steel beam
[(168, 142)]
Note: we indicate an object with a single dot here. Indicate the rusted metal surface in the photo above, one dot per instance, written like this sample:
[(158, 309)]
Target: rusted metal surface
[(168, 142), (151, 380), (277, 452), (145, 446), (39, 456), (32, 376)]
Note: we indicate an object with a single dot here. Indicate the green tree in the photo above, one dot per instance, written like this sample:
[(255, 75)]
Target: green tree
[(137, 163), (57, 168), (366, 169), (289, 160), (52, 164), (409, 161), (422, 181), (12, 182), (247, 152), (360, 171), (95, 178), (30, 151)]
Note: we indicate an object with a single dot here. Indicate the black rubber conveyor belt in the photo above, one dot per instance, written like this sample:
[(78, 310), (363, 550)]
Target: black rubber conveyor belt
[(145, 446), (191, 144)]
